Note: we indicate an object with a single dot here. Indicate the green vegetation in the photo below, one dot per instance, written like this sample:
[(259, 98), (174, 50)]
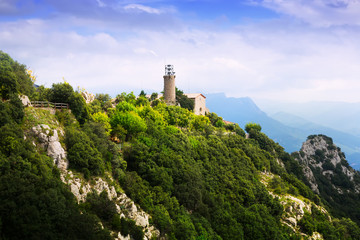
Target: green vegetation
[(197, 177), (337, 229), (184, 101), (14, 78)]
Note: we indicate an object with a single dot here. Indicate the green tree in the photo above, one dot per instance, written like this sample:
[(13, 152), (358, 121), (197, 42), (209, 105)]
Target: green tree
[(61, 93), (254, 126), (130, 121), (82, 153), (103, 119), (14, 78), (104, 101), (142, 94), (153, 96), (184, 101), (79, 107)]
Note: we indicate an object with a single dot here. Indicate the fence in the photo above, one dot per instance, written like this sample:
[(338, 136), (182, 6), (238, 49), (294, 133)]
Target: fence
[(45, 104)]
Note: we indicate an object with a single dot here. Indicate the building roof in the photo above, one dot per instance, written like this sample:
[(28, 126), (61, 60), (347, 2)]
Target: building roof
[(228, 122), (193, 95)]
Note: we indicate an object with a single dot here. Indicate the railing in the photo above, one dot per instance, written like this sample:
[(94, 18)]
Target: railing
[(45, 104)]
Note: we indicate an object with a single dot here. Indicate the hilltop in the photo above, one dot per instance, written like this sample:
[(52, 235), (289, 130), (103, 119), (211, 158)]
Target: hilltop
[(136, 168)]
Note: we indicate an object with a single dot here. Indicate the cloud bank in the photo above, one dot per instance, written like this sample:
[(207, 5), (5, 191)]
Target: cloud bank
[(115, 46)]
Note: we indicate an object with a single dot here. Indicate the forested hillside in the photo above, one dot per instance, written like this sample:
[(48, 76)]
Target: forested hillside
[(197, 177)]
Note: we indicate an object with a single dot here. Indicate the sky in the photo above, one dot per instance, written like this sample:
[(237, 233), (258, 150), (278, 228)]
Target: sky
[(278, 50)]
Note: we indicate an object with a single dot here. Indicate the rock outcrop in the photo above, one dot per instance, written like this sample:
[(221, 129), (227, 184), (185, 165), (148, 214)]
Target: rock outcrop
[(124, 205), (89, 97), (25, 100), (319, 155), (294, 207), (49, 140)]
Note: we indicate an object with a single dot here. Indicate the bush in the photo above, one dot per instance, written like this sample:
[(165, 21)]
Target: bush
[(82, 153), (254, 126), (101, 205), (130, 121)]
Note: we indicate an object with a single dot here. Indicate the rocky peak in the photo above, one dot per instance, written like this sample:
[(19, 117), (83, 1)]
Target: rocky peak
[(320, 156)]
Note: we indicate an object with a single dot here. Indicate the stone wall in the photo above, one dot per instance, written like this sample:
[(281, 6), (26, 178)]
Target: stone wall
[(169, 89)]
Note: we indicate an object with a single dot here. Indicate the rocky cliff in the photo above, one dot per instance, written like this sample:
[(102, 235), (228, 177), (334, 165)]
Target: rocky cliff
[(330, 176), (323, 161)]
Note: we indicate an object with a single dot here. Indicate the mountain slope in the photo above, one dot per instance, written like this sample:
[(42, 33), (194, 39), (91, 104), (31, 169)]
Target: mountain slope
[(195, 177), (287, 129), (330, 175), (244, 110), (341, 116)]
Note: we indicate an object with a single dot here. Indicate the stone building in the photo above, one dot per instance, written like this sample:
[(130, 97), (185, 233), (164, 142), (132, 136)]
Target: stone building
[(200, 103)]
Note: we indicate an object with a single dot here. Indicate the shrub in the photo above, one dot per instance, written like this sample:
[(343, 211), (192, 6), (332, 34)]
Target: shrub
[(82, 153), (254, 126)]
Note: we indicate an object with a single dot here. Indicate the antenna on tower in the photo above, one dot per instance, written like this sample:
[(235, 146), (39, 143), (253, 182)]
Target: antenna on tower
[(169, 70)]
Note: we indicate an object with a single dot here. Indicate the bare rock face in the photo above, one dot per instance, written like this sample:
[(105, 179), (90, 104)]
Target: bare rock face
[(49, 140), (124, 205)]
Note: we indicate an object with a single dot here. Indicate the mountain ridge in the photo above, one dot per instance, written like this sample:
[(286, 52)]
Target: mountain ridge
[(290, 132)]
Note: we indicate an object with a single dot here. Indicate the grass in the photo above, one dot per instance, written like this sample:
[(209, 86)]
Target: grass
[(36, 116)]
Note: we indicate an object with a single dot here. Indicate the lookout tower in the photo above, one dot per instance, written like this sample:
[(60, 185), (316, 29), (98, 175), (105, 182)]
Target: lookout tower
[(169, 85)]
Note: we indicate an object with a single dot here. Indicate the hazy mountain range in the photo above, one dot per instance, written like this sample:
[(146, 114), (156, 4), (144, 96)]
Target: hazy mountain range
[(291, 130)]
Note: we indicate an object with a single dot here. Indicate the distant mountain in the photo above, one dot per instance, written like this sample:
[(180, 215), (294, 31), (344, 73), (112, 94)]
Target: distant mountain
[(244, 110), (348, 142), (341, 116), (287, 129)]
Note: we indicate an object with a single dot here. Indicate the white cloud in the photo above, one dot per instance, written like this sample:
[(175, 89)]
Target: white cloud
[(145, 51), (269, 59), (321, 13), (142, 8), (229, 63)]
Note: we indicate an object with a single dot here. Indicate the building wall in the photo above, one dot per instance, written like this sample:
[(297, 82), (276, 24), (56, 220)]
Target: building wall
[(200, 105), (169, 89)]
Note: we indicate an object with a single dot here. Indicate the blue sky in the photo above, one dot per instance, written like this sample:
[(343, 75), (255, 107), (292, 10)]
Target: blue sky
[(281, 50)]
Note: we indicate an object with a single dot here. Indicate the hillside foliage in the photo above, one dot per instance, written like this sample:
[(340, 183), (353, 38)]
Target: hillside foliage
[(198, 178)]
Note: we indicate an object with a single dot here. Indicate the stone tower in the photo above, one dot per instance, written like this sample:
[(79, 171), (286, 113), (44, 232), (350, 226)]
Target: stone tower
[(169, 85)]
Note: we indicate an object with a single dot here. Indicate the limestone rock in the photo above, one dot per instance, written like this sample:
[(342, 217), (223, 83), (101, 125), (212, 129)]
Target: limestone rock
[(51, 144), (292, 221), (89, 97), (124, 205), (25, 100), (121, 237), (319, 152), (316, 236)]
